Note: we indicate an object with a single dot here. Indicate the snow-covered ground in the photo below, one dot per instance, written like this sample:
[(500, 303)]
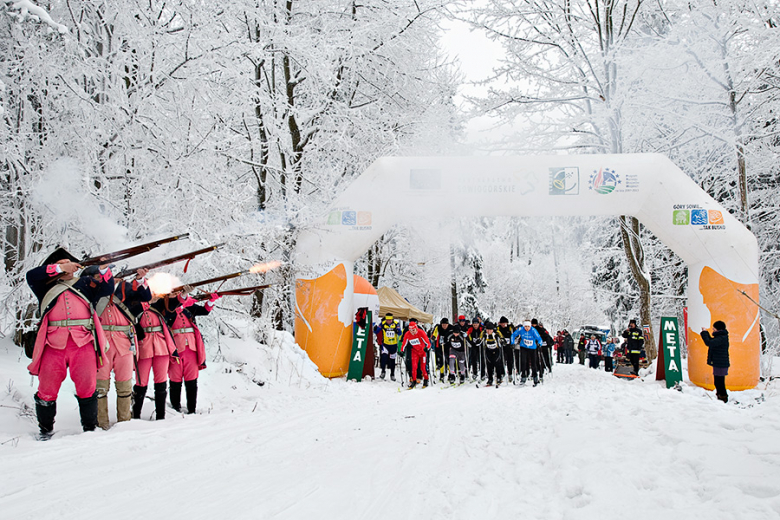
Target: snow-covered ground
[(585, 445)]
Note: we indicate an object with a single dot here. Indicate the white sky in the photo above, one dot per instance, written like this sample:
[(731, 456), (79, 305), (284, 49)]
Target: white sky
[(476, 56)]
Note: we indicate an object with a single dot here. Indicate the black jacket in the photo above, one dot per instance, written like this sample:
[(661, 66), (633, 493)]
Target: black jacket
[(718, 343), (634, 340)]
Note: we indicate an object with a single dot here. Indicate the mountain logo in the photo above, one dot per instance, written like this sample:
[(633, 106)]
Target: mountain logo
[(604, 181)]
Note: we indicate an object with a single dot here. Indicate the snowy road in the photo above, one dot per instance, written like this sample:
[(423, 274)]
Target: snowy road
[(585, 445)]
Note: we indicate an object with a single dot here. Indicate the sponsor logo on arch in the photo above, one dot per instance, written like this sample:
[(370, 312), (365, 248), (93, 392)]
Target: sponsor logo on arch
[(357, 220), (695, 215), (565, 180)]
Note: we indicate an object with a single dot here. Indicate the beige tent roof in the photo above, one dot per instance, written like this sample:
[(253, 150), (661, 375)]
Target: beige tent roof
[(392, 302)]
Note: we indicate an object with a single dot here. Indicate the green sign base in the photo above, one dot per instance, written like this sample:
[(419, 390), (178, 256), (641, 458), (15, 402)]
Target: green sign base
[(360, 342), (669, 346)]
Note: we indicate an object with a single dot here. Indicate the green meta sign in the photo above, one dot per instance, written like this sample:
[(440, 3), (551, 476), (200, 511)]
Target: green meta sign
[(359, 346), (670, 341)]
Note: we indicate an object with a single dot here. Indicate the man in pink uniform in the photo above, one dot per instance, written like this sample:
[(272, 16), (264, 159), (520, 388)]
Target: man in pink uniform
[(180, 313), (156, 350), (420, 345), (118, 322), (70, 338)]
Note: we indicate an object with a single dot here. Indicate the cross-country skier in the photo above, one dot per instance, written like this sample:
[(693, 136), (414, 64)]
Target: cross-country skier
[(457, 358), (529, 341), (474, 337), (504, 331), (491, 342), (545, 353), (416, 339), (389, 334), (439, 337)]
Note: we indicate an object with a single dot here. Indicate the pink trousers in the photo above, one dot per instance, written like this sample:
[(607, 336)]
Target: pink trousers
[(187, 368), (122, 366), (157, 363), (55, 364)]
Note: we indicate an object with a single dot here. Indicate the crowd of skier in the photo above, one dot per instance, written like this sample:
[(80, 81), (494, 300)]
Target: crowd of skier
[(479, 350)]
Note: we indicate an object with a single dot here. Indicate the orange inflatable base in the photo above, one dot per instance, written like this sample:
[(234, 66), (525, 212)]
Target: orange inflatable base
[(318, 330), (724, 302)]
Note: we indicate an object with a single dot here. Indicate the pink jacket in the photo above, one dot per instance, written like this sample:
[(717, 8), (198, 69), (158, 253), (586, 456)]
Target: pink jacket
[(68, 306), (191, 340), (155, 343)]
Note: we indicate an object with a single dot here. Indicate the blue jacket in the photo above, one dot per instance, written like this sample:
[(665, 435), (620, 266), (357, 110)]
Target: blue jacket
[(528, 338)]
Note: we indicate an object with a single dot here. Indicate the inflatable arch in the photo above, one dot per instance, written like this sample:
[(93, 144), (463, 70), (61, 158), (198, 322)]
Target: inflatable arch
[(721, 254)]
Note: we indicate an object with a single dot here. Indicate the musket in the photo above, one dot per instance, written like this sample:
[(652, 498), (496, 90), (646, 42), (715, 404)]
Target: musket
[(212, 280), (168, 261), (123, 254), (244, 291)]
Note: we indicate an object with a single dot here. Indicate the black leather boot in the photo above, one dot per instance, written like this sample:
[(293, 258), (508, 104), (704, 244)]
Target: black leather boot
[(160, 393), (88, 409), (45, 410), (139, 392), (191, 388), (176, 395)]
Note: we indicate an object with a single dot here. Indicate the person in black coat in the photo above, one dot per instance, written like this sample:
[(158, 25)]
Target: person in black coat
[(718, 356)]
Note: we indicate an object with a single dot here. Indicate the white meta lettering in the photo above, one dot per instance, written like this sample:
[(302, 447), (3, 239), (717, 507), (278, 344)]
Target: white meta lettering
[(673, 366), (360, 343), (671, 350), (669, 325), (671, 338), (357, 356)]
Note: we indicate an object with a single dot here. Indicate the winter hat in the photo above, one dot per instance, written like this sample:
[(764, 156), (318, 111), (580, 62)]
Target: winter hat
[(632, 321), (444, 320), (389, 316), (503, 320), (456, 329), (719, 325), (461, 318), (534, 322), (412, 320), (475, 320), (526, 323), (489, 325)]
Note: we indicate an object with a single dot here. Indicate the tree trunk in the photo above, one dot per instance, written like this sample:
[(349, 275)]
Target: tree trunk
[(632, 246), (453, 285)]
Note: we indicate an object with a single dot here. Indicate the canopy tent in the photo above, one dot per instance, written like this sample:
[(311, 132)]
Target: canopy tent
[(392, 302)]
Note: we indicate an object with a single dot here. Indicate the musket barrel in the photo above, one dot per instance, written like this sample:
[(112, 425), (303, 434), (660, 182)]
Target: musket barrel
[(129, 252), (211, 280), (168, 261), (244, 291)]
